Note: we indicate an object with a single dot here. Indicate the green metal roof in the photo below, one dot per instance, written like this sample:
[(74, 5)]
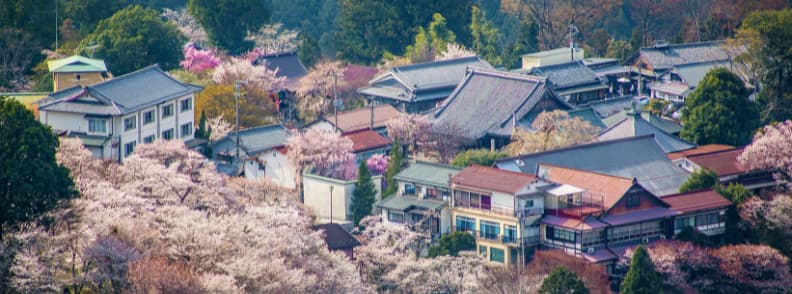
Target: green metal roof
[(404, 203), (77, 63), (432, 174)]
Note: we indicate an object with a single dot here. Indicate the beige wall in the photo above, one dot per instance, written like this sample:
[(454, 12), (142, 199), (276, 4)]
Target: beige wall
[(65, 80)]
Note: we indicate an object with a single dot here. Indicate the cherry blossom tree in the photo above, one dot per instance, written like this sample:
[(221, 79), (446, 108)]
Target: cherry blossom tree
[(197, 61), (274, 38), (186, 24), (454, 51), (218, 128), (411, 129), (324, 153), (551, 130), (377, 163), (771, 149), (256, 77), (314, 89)]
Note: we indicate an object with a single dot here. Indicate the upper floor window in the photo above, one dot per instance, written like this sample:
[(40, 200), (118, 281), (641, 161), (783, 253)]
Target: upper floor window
[(431, 193), (97, 125), (167, 111), (465, 224), (395, 217), (186, 129), (149, 139), (409, 189), (489, 230), (186, 104), (633, 200), (148, 117), (167, 134), (77, 77), (130, 123), (129, 148)]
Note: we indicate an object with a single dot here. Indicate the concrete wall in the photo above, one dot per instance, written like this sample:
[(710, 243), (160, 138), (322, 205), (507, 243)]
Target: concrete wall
[(317, 196), (562, 56), (277, 168)]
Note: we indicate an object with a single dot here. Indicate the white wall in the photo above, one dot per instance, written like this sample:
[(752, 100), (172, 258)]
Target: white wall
[(316, 196), (502, 200), (277, 168), (65, 121)]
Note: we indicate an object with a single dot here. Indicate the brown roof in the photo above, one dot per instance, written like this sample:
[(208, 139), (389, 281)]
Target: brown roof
[(723, 163), (610, 188), (696, 201), (336, 237), (366, 140), (359, 119), (699, 150), (492, 179)]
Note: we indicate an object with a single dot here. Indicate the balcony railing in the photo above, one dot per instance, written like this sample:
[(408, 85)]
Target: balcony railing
[(501, 238), (503, 210)]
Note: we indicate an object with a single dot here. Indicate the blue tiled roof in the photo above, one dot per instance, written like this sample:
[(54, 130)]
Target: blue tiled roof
[(634, 125), (253, 140)]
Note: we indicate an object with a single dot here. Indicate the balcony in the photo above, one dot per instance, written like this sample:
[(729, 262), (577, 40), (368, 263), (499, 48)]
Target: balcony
[(503, 210), (500, 238)]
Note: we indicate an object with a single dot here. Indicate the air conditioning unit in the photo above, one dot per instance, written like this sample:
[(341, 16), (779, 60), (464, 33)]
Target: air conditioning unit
[(590, 250)]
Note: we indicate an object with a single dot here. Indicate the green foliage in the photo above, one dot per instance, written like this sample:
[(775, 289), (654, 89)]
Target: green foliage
[(33, 183), (34, 17), (86, 14), (20, 51), (619, 49), (656, 106), (394, 167), (642, 277), (484, 36), (201, 131), (430, 41), (699, 180), (719, 112), (451, 244), (562, 281), (308, 50), (690, 234), (770, 53), (133, 38), (363, 197), (736, 193), (227, 21), (477, 156)]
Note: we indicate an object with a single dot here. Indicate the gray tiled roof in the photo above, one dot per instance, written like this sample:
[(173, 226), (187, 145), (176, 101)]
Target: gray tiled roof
[(695, 72), (253, 140), (422, 81), (665, 57), (662, 124), (288, 65), (404, 203), (567, 75), (426, 173), (636, 157), (485, 101), (130, 92), (634, 125)]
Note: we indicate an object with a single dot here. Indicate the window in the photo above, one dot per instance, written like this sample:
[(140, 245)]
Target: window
[(633, 200), (77, 77), (560, 234), (489, 230), (483, 251), (149, 139), (148, 117), (97, 125), (465, 224), (409, 189), (129, 148), (186, 104), (416, 217), (395, 217), (168, 134), (130, 123), (186, 129), (509, 233), (529, 204), (497, 255), (167, 111), (431, 193)]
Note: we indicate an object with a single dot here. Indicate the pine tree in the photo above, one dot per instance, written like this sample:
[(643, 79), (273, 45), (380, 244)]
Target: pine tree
[(562, 281), (201, 132), (394, 166), (642, 277), (363, 197)]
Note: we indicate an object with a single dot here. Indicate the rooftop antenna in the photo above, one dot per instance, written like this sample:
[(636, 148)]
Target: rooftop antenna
[(572, 31)]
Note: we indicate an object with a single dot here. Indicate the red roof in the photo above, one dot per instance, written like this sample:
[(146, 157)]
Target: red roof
[(610, 188), (360, 119), (492, 179), (699, 150), (723, 163), (366, 140), (696, 201)]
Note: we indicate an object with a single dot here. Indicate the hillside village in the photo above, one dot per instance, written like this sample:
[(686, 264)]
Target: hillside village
[(444, 170)]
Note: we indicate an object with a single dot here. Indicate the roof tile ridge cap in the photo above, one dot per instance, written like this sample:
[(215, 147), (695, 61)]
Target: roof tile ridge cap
[(631, 180)]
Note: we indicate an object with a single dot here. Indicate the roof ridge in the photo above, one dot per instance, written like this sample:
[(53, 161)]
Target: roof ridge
[(360, 109), (606, 142), (478, 166), (715, 152), (437, 164), (443, 62), (688, 193), (684, 45), (587, 171)]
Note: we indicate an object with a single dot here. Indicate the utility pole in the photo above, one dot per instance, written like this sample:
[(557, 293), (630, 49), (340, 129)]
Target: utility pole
[(56, 25), (572, 30), (331, 204), (335, 96), (236, 102)]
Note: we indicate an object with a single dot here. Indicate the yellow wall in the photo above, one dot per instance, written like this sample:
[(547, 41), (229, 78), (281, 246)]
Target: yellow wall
[(65, 80), (503, 220)]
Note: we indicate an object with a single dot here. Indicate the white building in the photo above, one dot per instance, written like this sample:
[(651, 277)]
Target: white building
[(114, 116), (551, 57), (262, 150)]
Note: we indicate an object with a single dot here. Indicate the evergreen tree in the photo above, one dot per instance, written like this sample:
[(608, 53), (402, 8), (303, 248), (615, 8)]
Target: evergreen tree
[(201, 131), (365, 192), (477, 156), (394, 166), (31, 180), (719, 112), (227, 21), (451, 244), (699, 180), (562, 281), (642, 277)]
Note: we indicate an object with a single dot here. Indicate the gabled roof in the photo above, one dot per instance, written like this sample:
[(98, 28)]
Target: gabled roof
[(600, 186), (667, 126), (143, 88), (696, 201), (422, 81), (288, 65), (491, 102), (634, 125), (336, 237), (635, 157), (365, 140), (568, 75), (253, 141), (492, 179), (699, 150), (77, 63), (359, 119), (611, 106), (665, 57), (723, 163), (427, 173), (693, 73)]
